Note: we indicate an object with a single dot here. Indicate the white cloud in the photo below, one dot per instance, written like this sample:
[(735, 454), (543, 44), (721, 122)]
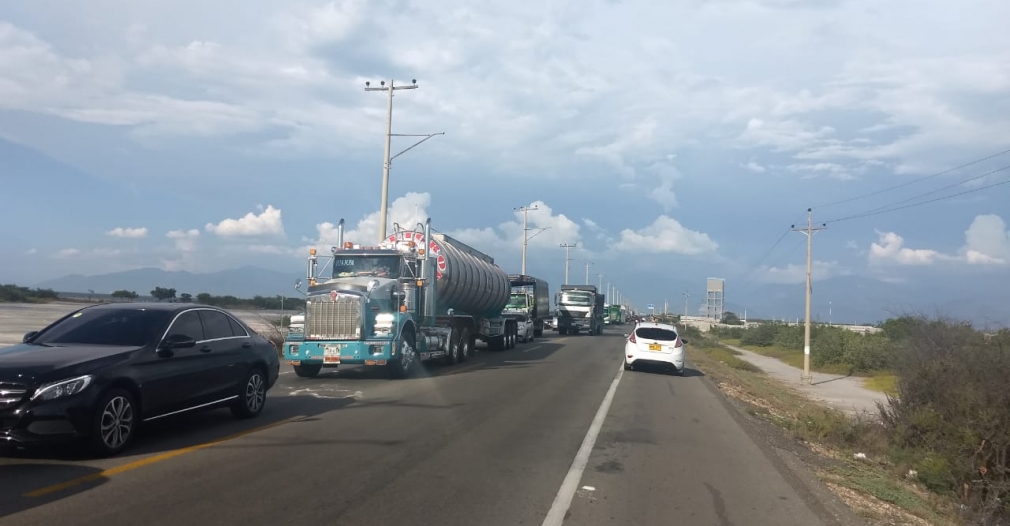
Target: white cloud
[(127, 232), (987, 241), (77, 253), (185, 245), (754, 167), (548, 230), (797, 273), (32, 251), (408, 210), (665, 235), (268, 222), (890, 249)]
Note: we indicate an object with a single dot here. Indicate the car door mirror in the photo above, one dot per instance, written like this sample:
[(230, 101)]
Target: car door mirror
[(28, 336), (685, 341), (178, 341)]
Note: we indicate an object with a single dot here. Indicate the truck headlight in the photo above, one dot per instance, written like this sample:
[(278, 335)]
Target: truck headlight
[(68, 387), (383, 322)]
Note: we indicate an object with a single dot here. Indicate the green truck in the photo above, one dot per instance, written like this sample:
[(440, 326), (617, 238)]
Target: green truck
[(614, 316)]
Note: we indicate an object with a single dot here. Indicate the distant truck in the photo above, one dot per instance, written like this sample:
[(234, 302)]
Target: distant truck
[(530, 303), (416, 296), (614, 316), (580, 308)]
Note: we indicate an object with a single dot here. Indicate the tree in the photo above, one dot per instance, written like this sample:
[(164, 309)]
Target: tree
[(186, 297), (730, 318), (125, 294), (204, 298), (161, 293)]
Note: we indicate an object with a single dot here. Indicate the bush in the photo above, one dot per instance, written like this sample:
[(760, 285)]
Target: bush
[(735, 333), (761, 336), (953, 408)]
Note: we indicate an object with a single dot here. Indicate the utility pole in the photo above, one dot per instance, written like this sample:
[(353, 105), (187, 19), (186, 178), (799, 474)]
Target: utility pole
[(524, 210), (387, 159), (809, 231), (567, 247), (588, 264), (686, 295)]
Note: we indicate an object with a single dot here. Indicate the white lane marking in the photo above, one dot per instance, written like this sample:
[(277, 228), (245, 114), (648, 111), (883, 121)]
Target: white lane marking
[(289, 372), (556, 515), (589, 488), (532, 348)]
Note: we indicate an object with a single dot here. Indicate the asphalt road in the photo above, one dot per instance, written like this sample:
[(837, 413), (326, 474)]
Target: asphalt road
[(498, 440)]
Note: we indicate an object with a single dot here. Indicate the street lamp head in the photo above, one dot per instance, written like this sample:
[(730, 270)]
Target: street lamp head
[(382, 83), (413, 81), (367, 83)]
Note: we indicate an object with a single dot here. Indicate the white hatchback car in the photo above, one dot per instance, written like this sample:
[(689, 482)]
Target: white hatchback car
[(655, 343)]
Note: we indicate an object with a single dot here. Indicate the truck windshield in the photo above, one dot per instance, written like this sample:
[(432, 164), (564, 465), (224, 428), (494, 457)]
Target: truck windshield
[(576, 298), (517, 302), (366, 266)]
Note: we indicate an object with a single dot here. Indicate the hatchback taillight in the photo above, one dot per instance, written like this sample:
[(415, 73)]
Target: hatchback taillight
[(679, 343), (632, 338)]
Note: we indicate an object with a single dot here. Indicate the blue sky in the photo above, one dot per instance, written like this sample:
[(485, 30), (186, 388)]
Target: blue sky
[(671, 142)]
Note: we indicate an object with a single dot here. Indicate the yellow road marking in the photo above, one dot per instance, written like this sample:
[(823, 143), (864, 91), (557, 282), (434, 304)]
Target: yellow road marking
[(148, 461), (464, 369)]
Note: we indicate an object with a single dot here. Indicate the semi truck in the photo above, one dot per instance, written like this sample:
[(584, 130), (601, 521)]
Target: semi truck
[(579, 308), (529, 303), (416, 296), (614, 316)]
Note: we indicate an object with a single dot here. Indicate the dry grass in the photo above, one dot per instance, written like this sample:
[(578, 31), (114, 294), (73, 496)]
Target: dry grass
[(882, 383)]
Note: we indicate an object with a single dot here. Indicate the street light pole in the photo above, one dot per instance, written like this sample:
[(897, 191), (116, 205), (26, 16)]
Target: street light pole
[(567, 247), (524, 210), (588, 264), (387, 159)]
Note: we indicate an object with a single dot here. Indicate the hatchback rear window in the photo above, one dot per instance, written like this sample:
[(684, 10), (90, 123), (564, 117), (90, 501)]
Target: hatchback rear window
[(655, 333)]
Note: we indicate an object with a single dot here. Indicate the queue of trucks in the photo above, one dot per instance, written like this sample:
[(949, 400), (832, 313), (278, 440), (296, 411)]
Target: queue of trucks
[(417, 296)]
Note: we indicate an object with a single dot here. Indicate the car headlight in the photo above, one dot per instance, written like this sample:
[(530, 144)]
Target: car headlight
[(68, 387)]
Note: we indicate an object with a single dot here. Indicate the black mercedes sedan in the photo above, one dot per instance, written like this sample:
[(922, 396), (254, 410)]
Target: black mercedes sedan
[(99, 372)]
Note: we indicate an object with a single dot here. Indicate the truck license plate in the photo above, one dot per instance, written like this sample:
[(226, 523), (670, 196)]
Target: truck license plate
[(331, 353), (655, 347)]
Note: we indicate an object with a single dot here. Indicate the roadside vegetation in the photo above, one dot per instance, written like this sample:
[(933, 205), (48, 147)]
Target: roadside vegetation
[(939, 449), (14, 294)]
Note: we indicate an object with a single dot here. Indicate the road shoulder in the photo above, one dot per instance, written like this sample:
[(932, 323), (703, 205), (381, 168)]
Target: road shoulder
[(819, 445)]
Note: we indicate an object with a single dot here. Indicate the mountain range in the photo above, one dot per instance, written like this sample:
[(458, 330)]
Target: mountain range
[(244, 282), (853, 299)]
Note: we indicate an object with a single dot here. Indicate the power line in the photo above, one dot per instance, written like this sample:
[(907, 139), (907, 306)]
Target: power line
[(931, 192), (769, 251), (914, 181), (877, 212)]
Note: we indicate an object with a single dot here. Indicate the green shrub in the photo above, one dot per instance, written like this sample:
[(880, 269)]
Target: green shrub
[(953, 406), (761, 336)]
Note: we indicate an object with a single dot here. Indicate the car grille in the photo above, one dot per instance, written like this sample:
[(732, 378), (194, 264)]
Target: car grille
[(11, 394), (574, 314), (338, 319)]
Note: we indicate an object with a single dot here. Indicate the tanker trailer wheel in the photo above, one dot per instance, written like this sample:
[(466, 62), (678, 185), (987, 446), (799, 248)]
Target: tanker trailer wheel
[(404, 365), (465, 346), (452, 353)]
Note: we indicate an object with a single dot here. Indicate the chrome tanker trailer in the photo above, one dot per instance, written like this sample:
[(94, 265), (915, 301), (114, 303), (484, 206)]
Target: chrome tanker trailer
[(417, 296)]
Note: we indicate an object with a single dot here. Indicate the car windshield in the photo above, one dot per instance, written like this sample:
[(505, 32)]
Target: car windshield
[(576, 298), (366, 266), (104, 326), (656, 333)]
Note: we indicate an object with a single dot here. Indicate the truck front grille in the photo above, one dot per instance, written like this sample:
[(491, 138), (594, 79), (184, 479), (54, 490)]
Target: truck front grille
[(338, 319), (11, 394)]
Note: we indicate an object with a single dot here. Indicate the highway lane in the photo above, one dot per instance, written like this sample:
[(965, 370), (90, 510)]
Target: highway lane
[(487, 442)]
